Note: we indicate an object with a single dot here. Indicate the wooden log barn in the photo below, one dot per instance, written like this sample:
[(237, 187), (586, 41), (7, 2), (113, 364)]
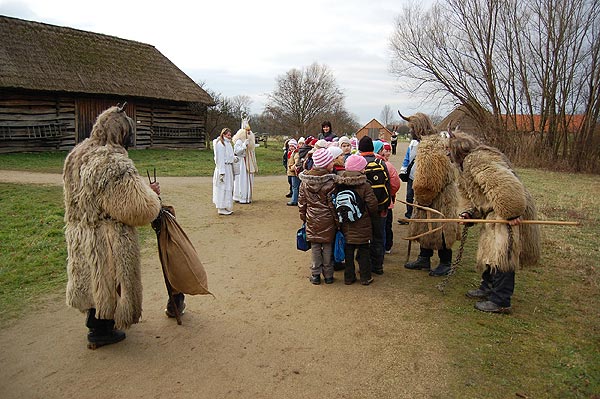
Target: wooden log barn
[(55, 81), (375, 130)]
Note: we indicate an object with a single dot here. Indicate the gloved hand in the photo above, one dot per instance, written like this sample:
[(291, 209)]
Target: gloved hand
[(222, 178), (466, 215), (155, 187)]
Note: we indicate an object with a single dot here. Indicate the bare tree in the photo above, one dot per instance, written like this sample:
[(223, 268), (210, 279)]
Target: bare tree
[(241, 104), (515, 65), (301, 96), (223, 114), (387, 115)]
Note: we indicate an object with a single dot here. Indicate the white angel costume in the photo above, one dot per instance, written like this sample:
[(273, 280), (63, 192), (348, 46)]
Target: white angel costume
[(223, 176)]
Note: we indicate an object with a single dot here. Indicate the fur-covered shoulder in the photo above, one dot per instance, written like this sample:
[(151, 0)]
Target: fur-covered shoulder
[(351, 178), (315, 179), (486, 155)]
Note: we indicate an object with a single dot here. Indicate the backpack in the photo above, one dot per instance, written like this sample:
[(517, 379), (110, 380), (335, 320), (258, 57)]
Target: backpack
[(302, 158), (308, 163), (378, 178), (348, 206), (299, 166)]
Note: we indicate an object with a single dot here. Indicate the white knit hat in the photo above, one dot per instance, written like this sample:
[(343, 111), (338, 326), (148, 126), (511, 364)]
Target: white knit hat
[(335, 151), (344, 139), (321, 144)]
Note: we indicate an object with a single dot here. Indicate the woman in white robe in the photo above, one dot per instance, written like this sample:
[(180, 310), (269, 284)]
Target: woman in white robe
[(243, 147), (223, 176)]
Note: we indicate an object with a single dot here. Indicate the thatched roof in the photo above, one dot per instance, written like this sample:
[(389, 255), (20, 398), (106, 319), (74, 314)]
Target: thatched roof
[(37, 56)]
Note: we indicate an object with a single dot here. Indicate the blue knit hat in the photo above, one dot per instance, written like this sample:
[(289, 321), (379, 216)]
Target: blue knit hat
[(377, 146)]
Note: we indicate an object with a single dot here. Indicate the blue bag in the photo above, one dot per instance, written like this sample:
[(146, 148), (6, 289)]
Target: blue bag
[(301, 242), (339, 252)]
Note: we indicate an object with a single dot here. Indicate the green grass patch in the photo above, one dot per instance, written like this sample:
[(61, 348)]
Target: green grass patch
[(32, 246), (550, 346), (175, 162)]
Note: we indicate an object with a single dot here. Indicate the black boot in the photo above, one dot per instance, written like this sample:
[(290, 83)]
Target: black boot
[(422, 263), (179, 302), (444, 268), (101, 331)]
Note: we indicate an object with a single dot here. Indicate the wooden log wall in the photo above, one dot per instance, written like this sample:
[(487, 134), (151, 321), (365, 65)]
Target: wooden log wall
[(161, 125), (36, 123), (43, 122)]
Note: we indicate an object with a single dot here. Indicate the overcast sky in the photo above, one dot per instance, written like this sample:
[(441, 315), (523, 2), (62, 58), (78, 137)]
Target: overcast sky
[(239, 47)]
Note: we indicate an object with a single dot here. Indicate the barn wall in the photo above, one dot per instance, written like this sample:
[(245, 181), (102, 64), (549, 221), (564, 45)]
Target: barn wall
[(46, 122), (373, 129), (36, 123), (162, 125)]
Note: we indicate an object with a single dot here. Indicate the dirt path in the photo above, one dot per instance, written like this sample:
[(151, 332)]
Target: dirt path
[(268, 334)]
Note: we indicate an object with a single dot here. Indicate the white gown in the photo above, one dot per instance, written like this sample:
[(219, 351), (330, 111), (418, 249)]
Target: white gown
[(244, 182), (223, 191)]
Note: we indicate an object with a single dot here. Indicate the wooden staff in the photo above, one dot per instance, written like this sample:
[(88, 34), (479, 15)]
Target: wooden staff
[(157, 228), (552, 222), (443, 219)]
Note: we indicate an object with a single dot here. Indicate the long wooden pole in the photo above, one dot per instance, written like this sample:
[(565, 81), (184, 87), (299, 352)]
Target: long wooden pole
[(551, 222)]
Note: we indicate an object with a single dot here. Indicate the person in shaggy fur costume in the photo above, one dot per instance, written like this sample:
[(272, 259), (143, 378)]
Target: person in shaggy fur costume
[(434, 187), (105, 198), (494, 191)]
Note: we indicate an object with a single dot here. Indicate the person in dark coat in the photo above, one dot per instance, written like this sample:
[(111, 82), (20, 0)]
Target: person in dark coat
[(327, 131), (358, 234)]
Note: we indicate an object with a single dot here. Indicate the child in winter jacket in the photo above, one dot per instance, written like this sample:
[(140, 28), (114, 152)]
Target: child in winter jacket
[(358, 233), (317, 211)]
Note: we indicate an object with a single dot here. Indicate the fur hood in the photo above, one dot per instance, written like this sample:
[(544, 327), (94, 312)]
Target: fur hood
[(113, 127), (351, 178), (314, 179)]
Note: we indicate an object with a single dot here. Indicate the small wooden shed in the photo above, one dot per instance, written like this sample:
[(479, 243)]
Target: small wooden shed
[(375, 130), (55, 81)]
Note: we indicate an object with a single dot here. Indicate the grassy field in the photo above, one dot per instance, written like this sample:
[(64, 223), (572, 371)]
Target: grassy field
[(185, 162), (551, 345)]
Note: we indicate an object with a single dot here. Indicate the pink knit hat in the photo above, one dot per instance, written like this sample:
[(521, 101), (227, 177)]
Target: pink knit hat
[(322, 158), (355, 163)]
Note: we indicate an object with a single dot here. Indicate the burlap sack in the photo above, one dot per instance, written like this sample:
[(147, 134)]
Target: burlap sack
[(184, 270)]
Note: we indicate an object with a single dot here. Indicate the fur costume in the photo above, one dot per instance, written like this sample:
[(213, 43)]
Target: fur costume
[(435, 187), (494, 191), (105, 198)]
